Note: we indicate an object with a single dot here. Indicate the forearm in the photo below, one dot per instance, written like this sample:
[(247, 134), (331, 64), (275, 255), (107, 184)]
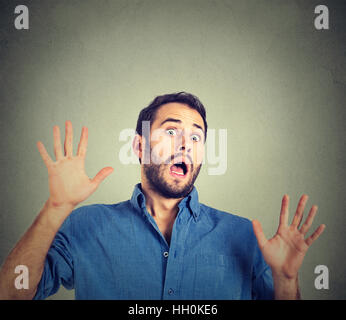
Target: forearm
[(286, 289), (31, 251)]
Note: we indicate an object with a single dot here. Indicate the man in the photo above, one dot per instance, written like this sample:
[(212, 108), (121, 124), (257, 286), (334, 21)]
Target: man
[(162, 243)]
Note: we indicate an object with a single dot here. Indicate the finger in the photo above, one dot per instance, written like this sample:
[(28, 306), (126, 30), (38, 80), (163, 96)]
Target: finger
[(83, 143), (284, 210), (315, 235), (300, 210), (68, 139), (57, 143), (101, 175), (308, 222), (44, 154), (261, 238)]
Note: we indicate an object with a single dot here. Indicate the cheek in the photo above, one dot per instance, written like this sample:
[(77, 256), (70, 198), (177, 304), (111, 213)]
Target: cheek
[(198, 153), (162, 149)]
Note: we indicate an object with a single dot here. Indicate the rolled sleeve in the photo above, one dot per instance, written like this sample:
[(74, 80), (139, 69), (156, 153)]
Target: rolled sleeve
[(58, 266), (262, 281)]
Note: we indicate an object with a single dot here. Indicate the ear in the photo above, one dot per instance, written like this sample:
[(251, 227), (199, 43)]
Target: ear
[(137, 146)]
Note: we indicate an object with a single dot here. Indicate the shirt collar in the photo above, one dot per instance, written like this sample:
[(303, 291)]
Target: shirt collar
[(190, 201)]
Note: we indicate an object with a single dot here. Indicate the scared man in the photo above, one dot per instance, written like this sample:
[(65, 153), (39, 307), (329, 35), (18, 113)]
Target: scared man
[(162, 243)]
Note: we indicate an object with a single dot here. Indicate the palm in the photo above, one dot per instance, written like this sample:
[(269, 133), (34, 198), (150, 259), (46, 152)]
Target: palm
[(68, 182), (285, 252)]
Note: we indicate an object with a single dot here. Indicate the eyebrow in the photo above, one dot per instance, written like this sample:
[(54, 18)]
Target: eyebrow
[(179, 121)]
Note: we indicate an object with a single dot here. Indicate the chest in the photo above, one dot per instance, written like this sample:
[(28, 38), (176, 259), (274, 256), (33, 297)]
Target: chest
[(140, 264)]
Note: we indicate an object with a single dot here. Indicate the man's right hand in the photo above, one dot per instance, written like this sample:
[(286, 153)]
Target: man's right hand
[(68, 183), (68, 186)]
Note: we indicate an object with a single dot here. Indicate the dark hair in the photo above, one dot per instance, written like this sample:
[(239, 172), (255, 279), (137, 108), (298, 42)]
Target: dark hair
[(148, 113)]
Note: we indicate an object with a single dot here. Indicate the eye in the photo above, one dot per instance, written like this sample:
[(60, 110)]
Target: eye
[(195, 137), (171, 132)]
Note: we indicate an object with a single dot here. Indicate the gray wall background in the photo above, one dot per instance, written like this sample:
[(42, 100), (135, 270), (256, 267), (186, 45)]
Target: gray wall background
[(262, 70)]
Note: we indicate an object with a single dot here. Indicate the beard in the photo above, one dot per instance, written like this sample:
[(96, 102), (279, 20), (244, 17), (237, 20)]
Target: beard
[(155, 176)]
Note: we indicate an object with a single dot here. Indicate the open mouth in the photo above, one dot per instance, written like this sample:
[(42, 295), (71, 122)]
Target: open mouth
[(179, 169)]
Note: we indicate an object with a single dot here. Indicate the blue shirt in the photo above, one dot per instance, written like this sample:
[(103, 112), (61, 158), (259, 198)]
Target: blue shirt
[(118, 252)]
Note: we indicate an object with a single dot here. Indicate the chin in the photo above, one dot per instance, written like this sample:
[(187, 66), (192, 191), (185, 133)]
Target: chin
[(166, 184), (169, 191)]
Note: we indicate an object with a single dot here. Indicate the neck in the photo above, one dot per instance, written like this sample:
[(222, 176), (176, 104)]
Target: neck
[(163, 210), (159, 206)]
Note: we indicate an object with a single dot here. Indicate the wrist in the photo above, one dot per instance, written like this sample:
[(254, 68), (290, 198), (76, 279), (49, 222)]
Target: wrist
[(52, 216), (286, 288), (58, 206), (284, 277)]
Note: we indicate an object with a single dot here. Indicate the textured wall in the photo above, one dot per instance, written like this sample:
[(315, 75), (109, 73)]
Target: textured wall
[(262, 70)]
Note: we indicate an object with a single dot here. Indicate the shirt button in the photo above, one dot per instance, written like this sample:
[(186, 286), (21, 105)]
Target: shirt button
[(165, 254), (170, 291)]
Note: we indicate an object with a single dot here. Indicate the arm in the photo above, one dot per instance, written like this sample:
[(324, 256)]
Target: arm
[(31, 251), (285, 252), (68, 186)]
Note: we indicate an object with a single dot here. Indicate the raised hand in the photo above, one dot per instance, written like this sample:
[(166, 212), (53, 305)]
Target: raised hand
[(68, 182), (285, 252)]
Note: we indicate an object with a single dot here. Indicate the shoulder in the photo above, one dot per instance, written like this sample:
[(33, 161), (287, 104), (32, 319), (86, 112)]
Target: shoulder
[(95, 220), (99, 208), (229, 224), (99, 213), (219, 216)]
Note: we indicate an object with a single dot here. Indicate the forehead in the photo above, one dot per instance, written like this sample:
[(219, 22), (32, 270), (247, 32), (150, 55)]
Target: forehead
[(182, 112)]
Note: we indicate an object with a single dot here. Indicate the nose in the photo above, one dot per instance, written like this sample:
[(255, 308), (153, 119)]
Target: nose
[(185, 145)]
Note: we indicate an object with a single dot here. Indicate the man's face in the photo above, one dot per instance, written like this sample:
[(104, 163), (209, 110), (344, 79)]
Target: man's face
[(176, 150)]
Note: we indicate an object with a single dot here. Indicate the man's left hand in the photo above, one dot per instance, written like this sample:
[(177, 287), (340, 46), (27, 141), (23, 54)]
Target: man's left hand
[(285, 252)]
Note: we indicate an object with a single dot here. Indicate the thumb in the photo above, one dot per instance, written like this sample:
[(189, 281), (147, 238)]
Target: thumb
[(101, 175), (261, 238)]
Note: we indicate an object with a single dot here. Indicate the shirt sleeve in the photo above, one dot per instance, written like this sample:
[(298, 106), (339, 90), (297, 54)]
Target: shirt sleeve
[(58, 267), (262, 280)]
